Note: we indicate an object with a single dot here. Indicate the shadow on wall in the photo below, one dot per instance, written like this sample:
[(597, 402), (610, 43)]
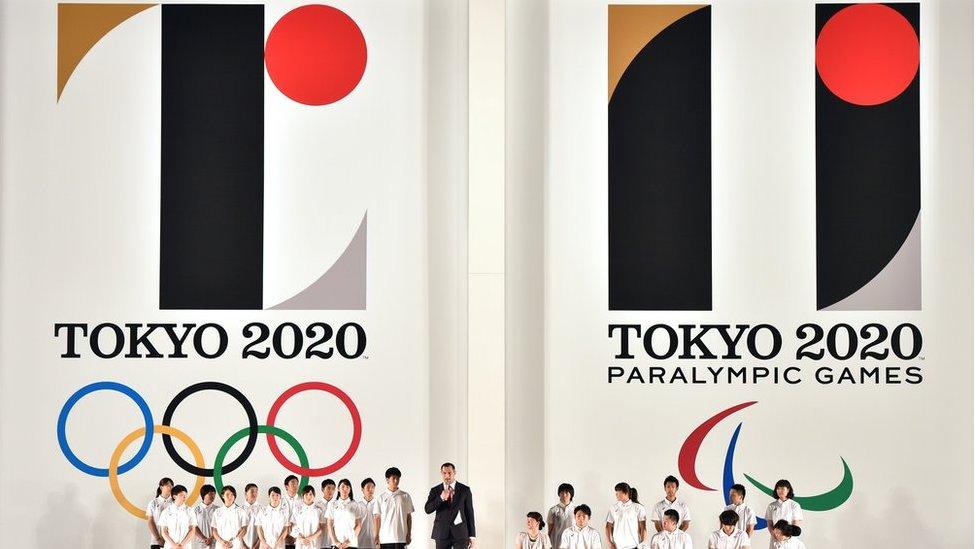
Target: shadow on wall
[(112, 526), (861, 524), (70, 519)]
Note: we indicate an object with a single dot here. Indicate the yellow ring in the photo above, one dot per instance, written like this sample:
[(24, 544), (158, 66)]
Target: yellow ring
[(113, 466)]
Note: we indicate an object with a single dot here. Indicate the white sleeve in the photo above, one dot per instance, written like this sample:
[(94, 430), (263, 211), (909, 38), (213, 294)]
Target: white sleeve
[(687, 513), (407, 504), (750, 517), (564, 540), (641, 512), (713, 541), (149, 509), (797, 510), (610, 516)]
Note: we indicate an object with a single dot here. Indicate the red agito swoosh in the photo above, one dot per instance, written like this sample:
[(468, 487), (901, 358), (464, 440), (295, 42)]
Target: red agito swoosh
[(689, 449)]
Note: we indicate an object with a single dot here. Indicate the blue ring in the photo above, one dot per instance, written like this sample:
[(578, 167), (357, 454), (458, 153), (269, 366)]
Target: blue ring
[(104, 386)]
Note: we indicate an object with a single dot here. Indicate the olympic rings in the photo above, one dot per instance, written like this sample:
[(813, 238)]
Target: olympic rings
[(252, 422), (78, 395), (222, 453), (357, 429), (113, 466)]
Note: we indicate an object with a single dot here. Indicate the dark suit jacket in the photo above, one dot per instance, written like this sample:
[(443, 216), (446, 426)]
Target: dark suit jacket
[(444, 527)]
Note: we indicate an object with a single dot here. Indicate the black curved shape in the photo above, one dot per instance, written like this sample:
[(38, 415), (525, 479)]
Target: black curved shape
[(868, 180), (660, 163)]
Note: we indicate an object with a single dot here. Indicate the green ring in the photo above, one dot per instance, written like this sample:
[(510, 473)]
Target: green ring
[(263, 429), (821, 502)]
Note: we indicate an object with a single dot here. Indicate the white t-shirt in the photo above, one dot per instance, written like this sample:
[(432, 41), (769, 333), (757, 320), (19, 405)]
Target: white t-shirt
[(155, 510), (788, 510), (559, 518), (683, 513), (253, 511), (393, 509), (228, 521), (344, 513), (294, 503), (305, 523), (541, 541), (581, 538), (323, 505), (273, 520), (624, 517), (366, 534), (789, 543), (746, 515), (720, 540), (178, 522), (204, 516), (670, 540)]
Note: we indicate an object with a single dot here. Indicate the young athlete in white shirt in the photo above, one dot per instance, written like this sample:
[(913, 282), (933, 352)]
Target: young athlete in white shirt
[(747, 517), (671, 501), (204, 510), (345, 518), (728, 536), (178, 522), (323, 503), (533, 537), (274, 521), (581, 535), (253, 510), (368, 505), (308, 524), (626, 520), (293, 500), (783, 536), (783, 508), (670, 537), (163, 499), (392, 522), (229, 522), (560, 515)]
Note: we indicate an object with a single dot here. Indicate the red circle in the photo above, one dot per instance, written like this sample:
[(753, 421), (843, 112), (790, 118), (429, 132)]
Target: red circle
[(867, 54), (315, 54), (357, 429)]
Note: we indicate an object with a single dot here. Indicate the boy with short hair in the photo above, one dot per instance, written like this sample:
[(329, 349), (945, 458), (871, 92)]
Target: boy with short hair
[(670, 537), (560, 516), (580, 535), (671, 501), (392, 523)]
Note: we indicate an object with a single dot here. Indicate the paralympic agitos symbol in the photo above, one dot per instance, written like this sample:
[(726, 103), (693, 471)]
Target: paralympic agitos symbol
[(219, 469), (689, 453)]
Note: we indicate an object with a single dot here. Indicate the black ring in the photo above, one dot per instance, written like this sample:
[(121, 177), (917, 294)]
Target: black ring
[(252, 422)]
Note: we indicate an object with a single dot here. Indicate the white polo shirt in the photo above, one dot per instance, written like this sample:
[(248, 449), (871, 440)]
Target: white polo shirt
[(253, 511), (624, 518), (788, 510), (154, 511), (178, 521), (790, 543), (306, 522), (559, 518), (366, 533), (343, 513), (323, 505), (273, 521), (541, 541), (580, 538), (228, 521), (393, 509), (720, 540), (204, 516), (683, 513), (294, 504), (746, 515), (671, 540)]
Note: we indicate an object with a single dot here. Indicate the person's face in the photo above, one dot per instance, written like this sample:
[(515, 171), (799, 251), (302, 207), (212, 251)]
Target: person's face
[(778, 535), (329, 491), (308, 498), (251, 495), (368, 490), (782, 492), (209, 498), (728, 528), (292, 487), (532, 524), (735, 497), (165, 490), (393, 483), (565, 498), (274, 498), (669, 524), (671, 489), (180, 498), (581, 519), (623, 496), (447, 473), (344, 490), (229, 498)]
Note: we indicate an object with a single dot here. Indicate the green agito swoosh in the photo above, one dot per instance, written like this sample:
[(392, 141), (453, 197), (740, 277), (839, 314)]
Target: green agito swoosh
[(823, 502)]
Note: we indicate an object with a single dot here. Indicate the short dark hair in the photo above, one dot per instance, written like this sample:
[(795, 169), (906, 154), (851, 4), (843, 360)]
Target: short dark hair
[(366, 481), (308, 490), (449, 464), (673, 515), (289, 478), (328, 482), (783, 483), (786, 528), (584, 508), (274, 490), (394, 472), (566, 487), (537, 516), (178, 489), (249, 486), (207, 489), (670, 479), (230, 489), (739, 489), (728, 518)]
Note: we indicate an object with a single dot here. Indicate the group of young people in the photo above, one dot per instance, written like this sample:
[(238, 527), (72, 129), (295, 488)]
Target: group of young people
[(626, 525), (293, 519)]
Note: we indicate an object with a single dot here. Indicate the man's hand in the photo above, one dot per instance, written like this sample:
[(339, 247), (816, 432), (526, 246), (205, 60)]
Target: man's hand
[(376, 540), (445, 493), (471, 543), (407, 543)]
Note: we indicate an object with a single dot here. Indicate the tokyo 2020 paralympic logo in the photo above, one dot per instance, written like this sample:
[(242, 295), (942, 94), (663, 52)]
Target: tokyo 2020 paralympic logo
[(689, 453), (164, 428)]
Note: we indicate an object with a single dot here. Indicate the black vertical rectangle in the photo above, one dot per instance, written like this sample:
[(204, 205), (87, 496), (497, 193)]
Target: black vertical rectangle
[(212, 157)]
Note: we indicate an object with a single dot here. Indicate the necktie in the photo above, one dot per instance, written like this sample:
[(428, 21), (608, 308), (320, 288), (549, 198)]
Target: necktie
[(450, 494)]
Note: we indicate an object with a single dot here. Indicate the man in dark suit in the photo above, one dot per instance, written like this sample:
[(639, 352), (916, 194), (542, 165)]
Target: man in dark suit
[(454, 521)]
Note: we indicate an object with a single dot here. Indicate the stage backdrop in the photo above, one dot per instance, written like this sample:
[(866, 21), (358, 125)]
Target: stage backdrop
[(214, 219), (759, 251)]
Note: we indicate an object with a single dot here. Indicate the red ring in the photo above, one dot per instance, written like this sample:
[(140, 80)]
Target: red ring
[(357, 429)]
